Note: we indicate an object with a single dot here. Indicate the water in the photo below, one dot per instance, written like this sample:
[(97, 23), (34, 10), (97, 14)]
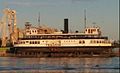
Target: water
[(59, 65)]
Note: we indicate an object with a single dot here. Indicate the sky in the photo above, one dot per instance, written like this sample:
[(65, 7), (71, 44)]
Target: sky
[(102, 13)]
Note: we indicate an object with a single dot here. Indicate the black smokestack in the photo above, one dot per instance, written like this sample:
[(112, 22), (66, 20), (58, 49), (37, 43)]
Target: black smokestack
[(66, 25)]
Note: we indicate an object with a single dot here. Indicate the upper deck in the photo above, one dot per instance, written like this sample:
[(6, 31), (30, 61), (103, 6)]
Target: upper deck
[(50, 33), (63, 36)]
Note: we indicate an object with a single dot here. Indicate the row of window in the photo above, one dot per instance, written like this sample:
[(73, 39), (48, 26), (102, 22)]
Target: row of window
[(31, 42), (38, 42), (63, 37), (96, 41), (81, 41), (92, 30), (32, 31)]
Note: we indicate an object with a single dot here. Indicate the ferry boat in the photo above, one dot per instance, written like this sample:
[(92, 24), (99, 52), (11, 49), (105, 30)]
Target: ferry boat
[(47, 42)]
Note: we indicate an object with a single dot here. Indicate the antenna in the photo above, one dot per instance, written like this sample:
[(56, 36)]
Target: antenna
[(39, 19), (84, 18)]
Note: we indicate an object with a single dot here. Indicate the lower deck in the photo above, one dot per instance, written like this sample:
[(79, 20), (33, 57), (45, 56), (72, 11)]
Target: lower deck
[(60, 52)]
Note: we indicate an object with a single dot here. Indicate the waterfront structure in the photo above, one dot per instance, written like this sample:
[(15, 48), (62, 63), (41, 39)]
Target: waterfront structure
[(45, 42)]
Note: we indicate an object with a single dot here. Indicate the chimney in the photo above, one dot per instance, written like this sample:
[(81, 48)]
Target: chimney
[(66, 25)]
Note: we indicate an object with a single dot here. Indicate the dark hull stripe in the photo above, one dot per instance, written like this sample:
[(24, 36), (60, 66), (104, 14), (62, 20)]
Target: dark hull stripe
[(65, 38), (71, 47)]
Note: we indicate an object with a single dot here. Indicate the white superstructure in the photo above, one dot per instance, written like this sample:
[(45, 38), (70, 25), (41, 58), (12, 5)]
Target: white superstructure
[(37, 37)]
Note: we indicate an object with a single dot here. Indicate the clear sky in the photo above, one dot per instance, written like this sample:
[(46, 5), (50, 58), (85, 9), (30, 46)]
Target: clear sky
[(105, 13)]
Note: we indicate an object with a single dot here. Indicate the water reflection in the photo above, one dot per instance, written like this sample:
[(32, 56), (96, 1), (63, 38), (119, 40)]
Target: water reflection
[(59, 65)]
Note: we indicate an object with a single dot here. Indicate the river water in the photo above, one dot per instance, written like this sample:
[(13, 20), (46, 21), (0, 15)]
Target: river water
[(59, 65)]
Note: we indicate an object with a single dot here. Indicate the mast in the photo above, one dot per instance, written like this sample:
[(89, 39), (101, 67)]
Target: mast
[(39, 19), (84, 18)]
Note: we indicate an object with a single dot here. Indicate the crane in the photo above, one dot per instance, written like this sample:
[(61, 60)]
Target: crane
[(10, 18)]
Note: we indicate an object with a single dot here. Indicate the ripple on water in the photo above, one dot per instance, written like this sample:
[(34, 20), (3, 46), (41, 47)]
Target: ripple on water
[(61, 65)]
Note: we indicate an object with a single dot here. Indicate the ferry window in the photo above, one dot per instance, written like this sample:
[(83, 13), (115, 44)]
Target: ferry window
[(30, 42), (37, 36), (91, 41), (23, 42), (26, 41), (103, 41), (97, 41), (94, 41), (83, 41), (38, 42), (34, 36), (33, 31), (35, 42), (41, 37), (79, 41), (88, 30), (97, 29)]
